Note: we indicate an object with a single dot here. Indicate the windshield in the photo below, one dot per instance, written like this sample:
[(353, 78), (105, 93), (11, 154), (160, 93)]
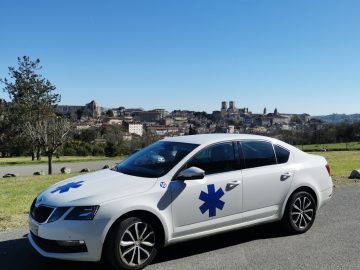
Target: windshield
[(155, 160)]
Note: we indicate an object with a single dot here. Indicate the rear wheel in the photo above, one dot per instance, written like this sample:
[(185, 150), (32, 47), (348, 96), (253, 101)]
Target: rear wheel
[(300, 212), (134, 243)]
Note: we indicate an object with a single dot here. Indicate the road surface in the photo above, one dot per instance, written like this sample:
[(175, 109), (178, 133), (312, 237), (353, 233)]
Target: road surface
[(27, 170), (332, 243)]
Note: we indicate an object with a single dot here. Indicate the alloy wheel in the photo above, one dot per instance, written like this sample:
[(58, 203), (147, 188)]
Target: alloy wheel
[(302, 212), (137, 244)]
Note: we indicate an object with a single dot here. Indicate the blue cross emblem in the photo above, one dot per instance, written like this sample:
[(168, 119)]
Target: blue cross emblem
[(211, 200), (66, 188)]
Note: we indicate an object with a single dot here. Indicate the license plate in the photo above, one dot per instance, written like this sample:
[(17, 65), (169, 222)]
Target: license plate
[(33, 228)]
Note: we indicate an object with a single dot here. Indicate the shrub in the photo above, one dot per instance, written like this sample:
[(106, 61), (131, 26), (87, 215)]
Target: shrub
[(98, 150), (110, 149)]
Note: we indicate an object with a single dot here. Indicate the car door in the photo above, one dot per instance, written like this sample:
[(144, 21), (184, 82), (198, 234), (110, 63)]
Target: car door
[(216, 199), (266, 182)]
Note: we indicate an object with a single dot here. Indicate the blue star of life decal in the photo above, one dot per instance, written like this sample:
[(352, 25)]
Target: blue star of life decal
[(211, 200), (66, 188)]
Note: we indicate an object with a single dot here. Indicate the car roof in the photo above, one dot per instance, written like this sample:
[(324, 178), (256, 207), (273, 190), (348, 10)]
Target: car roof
[(216, 137)]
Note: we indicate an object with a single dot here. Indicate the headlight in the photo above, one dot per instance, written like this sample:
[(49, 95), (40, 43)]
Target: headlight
[(82, 213), (57, 214)]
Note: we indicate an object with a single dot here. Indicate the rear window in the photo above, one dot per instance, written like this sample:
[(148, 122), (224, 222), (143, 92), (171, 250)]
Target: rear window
[(282, 155)]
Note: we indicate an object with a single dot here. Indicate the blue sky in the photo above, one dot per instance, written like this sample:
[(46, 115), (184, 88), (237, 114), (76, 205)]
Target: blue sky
[(298, 56)]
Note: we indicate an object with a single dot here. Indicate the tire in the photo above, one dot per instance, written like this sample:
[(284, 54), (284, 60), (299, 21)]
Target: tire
[(133, 243), (300, 212)]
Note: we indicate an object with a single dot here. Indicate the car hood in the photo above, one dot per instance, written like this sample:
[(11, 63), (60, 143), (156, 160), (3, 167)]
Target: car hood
[(94, 188)]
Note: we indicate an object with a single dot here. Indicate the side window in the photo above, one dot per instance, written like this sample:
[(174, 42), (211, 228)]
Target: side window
[(258, 153), (282, 155), (217, 158)]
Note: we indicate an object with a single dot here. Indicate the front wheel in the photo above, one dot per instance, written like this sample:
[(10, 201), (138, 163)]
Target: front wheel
[(300, 212), (134, 244)]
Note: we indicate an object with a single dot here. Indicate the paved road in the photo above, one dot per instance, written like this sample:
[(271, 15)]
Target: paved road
[(26, 170), (332, 243)]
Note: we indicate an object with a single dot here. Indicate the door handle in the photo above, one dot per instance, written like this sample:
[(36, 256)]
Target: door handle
[(285, 176), (232, 184)]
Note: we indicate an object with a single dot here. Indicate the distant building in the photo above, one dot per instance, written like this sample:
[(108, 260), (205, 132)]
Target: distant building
[(263, 121), (217, 115), (134, 128), (304, 117), (76, 112), (163, 130), (224, 106), (280, 120), (276, 113), (150, 116), (179, 115), (246, 120), (114, 121), (232, 107), (71, 111), (92, 109), (167, 121), (133, 110)]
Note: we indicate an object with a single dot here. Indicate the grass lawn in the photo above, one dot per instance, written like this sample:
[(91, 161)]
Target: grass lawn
[(330, 147), (341, 164), (27, 160), (17, 194)]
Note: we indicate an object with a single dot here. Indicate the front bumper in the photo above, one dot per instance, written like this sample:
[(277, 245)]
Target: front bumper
[(91, 235)]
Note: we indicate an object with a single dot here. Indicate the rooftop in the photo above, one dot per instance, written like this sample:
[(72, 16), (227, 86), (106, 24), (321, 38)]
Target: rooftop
[(213, 138)]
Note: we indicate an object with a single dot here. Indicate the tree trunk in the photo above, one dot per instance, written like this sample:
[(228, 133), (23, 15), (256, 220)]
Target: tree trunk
[(32, 156), (50, 156), (38, 154)]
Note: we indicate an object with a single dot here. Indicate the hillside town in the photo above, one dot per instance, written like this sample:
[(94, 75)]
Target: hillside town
[(228, 119)]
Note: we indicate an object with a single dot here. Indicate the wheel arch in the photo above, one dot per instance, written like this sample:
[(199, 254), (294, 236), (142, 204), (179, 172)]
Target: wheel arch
[(307, 188), (160, 227)]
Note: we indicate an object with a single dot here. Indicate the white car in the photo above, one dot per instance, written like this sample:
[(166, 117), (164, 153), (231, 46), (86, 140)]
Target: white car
[(178, 189)]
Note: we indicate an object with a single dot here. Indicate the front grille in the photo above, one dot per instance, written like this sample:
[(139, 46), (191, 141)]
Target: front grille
[(53, 246), (40, 213)]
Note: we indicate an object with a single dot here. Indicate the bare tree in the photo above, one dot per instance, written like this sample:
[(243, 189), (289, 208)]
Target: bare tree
[(48, 134)]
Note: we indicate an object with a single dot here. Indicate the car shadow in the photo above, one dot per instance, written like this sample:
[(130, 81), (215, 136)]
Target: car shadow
[(18, 254), (219, 241)]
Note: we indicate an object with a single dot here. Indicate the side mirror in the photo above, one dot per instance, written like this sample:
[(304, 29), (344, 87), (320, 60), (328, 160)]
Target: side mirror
[(192, 173)]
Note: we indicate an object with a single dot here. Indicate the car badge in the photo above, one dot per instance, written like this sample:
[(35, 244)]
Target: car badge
[(39, 200), (163, 185)]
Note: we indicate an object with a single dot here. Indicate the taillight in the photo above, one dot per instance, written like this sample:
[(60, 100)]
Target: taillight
[(328, 169)]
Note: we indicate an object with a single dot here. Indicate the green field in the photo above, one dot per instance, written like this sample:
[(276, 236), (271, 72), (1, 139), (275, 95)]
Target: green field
[(351, 146), (27, 160), (342, 162), (16, 194)]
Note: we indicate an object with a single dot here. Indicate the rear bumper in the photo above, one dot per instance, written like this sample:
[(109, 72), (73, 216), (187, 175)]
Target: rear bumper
[(326, 196)]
